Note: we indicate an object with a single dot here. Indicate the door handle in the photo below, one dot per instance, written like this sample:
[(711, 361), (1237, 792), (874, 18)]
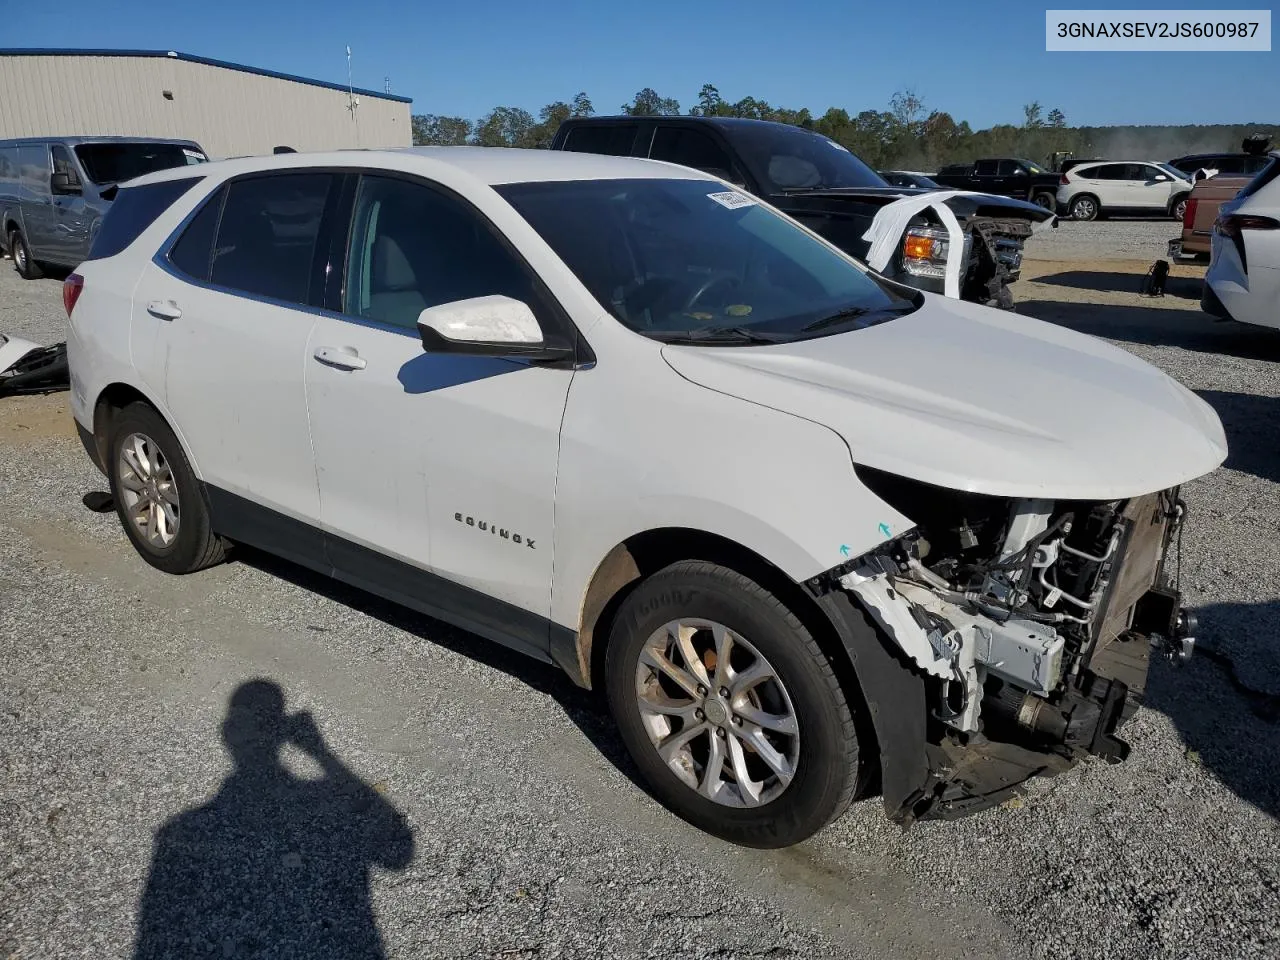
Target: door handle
[(164, 309), (344, 358)]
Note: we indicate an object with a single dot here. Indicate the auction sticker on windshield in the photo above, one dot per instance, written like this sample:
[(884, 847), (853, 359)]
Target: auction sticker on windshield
[(732, 200)]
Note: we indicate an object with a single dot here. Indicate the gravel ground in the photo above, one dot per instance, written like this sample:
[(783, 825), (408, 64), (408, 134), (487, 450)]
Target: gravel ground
[(507, 824)]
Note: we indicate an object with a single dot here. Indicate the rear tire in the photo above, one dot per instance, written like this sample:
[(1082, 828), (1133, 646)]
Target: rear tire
[(793, 730), (1045, 200), (1085, 207), (160, 502), (27, 268)]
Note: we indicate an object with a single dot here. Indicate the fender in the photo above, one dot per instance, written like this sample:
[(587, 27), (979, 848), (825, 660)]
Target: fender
[(895, 696)]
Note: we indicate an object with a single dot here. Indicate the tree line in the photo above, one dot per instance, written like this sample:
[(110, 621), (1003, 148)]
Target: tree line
[(908, 135)]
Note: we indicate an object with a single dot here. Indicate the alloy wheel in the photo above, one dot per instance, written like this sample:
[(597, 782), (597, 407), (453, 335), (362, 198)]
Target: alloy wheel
[(149, 492), (717, 713)]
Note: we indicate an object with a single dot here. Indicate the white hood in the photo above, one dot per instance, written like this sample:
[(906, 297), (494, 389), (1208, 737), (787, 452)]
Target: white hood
[(971, 398)]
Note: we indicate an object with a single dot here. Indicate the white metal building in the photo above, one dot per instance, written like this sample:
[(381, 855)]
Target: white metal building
[(228, 108)]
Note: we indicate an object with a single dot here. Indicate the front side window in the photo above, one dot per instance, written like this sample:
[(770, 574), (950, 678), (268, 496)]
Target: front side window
[(691, 148), (267, 236), (689, 260), (786, 158), (62, 163), (985, 168), (414, 247), (1011, 168)]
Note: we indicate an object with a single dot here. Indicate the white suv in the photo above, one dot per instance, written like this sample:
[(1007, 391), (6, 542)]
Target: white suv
[(1092, 190), (1243, 279), (807, 528)]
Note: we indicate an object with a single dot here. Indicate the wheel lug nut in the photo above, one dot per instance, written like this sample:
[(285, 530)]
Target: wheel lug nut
[(698, 714), (724, 692), (737, 721), (720, 732), (702, 691)]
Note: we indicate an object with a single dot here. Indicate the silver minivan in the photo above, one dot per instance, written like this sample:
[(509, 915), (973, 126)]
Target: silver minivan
[(54, 191)]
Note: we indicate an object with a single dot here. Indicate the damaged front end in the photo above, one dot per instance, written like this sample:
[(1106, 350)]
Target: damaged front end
[(1031, 622)]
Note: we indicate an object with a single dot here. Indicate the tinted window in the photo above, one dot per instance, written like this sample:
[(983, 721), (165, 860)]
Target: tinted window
[(193, 252), (62, 162), (670, 258), (690, 148), (985, 168), (1108, 171), (1010, 168), (414, 247), (612, 139), (1254, 164), (1270, 172), (8, 162), (132, 211), (267, 235), (789, 158), (117, 162)]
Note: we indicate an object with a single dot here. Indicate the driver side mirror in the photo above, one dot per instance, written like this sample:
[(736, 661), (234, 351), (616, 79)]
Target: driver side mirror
[(62, 184), (492, 326), (1160, 178)]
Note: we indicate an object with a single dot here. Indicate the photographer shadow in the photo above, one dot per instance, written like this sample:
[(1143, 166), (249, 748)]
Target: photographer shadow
[(274, 864)]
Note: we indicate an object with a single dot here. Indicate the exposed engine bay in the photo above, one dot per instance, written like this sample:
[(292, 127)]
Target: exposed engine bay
[(1032, 621)]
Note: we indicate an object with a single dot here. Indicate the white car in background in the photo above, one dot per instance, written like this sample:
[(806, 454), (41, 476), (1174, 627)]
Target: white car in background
[(1091, 190), (807, 528), (1243, 279)]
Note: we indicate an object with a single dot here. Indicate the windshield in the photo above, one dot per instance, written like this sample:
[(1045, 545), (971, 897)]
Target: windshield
[(1033, 167), (690, 260), (1172, 171), (788, 158), (117, 162)]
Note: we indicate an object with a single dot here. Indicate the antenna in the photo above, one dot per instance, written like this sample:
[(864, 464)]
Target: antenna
[(352, 102)]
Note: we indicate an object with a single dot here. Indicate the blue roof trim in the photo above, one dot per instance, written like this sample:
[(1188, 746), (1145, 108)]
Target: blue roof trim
[(191, 58)]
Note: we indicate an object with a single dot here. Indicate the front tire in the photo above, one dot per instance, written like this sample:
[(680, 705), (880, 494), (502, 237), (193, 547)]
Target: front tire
[(1084, 207), (159, 500), (1178, 209), (27, 268), (729, 707)]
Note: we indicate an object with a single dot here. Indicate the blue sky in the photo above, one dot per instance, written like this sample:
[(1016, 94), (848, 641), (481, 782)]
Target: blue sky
[(978, 63)]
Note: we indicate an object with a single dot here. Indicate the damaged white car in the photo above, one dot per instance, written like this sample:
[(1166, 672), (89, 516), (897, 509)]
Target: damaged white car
[(810, 530)]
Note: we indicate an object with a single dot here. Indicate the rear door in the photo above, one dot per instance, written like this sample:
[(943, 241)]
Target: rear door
[(1107, 181), (1013, 178), (230, 307), (985, 176)]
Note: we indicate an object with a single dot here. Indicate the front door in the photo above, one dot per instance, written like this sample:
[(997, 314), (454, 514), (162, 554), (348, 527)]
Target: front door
[(69, 215), (437, 471)]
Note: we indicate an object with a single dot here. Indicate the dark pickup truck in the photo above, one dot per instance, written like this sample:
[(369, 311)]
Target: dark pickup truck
[(1006, 176), (821, 184)]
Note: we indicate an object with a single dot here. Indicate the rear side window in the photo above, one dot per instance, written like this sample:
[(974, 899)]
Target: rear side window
[(610, 139), (1269, 173), (267, 235), (132, 211), (193, 253)]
